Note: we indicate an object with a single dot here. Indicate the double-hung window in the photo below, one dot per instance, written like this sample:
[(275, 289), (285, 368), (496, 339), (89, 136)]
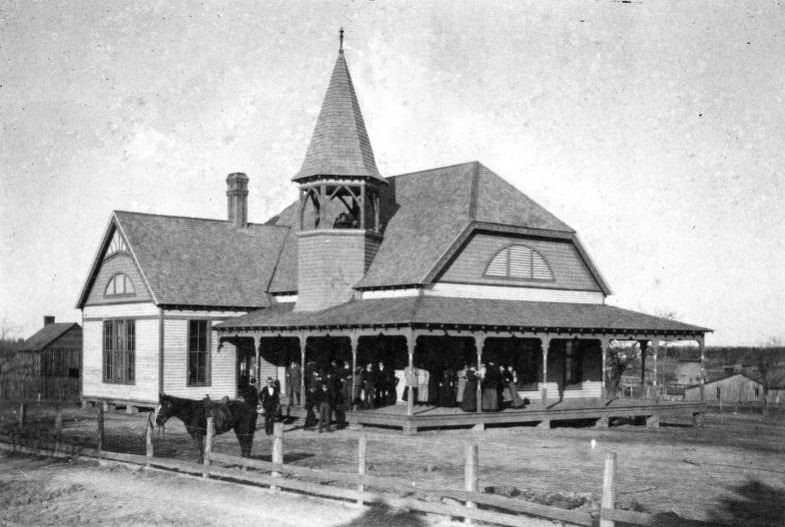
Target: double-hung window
[(198, 353), (119, 351)]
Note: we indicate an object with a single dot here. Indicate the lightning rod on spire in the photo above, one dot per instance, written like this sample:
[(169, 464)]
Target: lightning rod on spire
[(340, 40)]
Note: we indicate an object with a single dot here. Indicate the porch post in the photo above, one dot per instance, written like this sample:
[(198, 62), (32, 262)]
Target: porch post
[(702, 348), (301, 338), (545, 342), (655, 345), (353, 338), (644, 344), (479, 342), (411, 340), (605, 343), (258, 363)]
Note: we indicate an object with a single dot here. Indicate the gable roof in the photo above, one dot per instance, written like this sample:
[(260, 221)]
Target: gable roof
[(47, 335), (436, 211), (339, 145), (198, 262)]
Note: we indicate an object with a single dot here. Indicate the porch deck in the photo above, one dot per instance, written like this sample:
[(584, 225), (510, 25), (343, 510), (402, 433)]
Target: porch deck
[(571, 409)]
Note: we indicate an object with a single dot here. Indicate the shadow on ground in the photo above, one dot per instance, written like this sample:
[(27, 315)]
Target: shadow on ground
[(752, 504), (381, 514)]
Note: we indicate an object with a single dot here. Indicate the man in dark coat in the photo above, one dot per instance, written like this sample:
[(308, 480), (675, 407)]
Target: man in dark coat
[(369, 385), (293, 380), (270, 404), (325, 409), (311, 406)]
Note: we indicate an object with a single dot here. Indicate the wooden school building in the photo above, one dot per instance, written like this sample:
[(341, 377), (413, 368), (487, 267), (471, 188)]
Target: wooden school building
[(432, 269)]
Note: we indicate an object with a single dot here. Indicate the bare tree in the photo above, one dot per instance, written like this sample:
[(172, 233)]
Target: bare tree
[(770, 363), (9, 346)]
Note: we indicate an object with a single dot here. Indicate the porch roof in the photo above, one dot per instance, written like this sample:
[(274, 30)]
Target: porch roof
[(424, 311)]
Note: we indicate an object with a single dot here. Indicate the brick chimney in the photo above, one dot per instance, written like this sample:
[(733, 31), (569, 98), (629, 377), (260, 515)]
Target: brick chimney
[(49, 319), (237, 202)]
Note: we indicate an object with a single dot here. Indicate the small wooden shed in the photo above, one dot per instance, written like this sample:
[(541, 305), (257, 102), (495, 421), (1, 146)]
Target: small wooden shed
[(735, 388), (53, 356)]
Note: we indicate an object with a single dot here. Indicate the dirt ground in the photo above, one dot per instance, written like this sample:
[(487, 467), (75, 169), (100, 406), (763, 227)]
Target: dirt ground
[(730, 471)]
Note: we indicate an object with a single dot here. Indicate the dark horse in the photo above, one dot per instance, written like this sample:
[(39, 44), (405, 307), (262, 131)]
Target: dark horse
[(227, 415)]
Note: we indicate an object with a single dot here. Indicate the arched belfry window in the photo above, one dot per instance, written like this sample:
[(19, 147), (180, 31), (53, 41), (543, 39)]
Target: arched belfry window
[(519, 262), (117, 245), (119, 285)]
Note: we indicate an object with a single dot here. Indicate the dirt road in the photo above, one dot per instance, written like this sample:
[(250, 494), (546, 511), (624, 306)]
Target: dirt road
[(37, 491)]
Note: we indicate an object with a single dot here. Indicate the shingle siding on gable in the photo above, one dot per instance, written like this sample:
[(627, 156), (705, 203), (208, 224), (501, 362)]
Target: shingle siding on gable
[(119, 263), (569, 271)]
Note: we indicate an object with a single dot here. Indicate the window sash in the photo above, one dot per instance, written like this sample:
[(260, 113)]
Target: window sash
[(198, 367), (119, 351)]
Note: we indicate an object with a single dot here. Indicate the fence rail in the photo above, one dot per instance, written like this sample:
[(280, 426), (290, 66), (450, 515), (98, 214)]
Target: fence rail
[(39, 387), (358, 487)]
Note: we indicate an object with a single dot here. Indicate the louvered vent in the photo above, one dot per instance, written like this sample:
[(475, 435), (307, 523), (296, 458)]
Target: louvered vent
[(520, 262)]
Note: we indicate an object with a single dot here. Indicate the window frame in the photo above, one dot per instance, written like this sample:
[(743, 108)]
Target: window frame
[(118, 345), (207, 351), (113, 281), (573, 365), (509, 276)]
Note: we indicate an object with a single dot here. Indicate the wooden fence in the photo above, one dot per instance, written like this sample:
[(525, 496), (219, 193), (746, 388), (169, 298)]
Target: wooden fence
[(39, 388), (360, 487)]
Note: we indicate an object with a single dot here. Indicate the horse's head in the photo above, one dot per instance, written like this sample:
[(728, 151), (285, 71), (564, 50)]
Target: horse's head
[(165, 409)]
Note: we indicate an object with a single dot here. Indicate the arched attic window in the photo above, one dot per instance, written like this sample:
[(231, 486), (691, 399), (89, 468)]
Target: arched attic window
[(119, 285), (519, 262), (117, 245)]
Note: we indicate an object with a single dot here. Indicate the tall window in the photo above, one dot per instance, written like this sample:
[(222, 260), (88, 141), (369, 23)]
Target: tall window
[(119, 348), (119, 285), (198, 353), (519, 262), (573, 368)]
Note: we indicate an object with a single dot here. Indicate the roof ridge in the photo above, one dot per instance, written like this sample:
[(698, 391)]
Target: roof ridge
[(181, 217), (434, 169)]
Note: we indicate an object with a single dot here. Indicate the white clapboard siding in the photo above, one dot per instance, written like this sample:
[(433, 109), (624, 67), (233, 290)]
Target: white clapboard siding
[(145, 386), (587, 389), (496, 292), (141, 309), (223, 364)]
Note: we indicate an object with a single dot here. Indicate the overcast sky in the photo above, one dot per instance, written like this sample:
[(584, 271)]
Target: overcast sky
[(656, 129)]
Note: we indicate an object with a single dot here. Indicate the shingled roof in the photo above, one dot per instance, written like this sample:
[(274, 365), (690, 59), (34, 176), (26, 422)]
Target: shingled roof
[(47, 335), (200, 262), (425, 213), (432, 310), (339, 145)]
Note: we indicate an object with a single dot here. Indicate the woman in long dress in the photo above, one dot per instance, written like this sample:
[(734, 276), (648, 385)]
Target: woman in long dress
[(461, 384), (447, 389), (490, 388), (469, 402)]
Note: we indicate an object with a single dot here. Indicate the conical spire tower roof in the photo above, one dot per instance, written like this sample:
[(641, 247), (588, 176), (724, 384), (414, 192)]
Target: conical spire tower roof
[(340, 145)]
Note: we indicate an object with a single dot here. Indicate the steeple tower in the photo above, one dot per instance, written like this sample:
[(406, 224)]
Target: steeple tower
[(339, 183)]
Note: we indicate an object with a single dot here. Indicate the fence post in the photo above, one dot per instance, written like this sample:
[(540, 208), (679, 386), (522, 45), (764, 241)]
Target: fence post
[(22, 414), (100, 431), (277, 450), (149, 440), (59, 420), (608, 488), (208, 447), (362, 450), (470, 474)]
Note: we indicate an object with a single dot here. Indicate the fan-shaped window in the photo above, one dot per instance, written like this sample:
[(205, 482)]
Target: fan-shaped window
[(116, 245), (119, 285), (520, 262)]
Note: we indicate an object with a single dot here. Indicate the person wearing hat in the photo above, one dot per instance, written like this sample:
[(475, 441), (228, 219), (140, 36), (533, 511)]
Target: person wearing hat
[(270, 404)]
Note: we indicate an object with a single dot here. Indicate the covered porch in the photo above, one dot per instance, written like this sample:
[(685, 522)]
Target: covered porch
[(558, 352)]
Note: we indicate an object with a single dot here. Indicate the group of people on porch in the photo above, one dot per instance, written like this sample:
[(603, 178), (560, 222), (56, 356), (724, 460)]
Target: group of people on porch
[(375, 385), (498, 385)]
